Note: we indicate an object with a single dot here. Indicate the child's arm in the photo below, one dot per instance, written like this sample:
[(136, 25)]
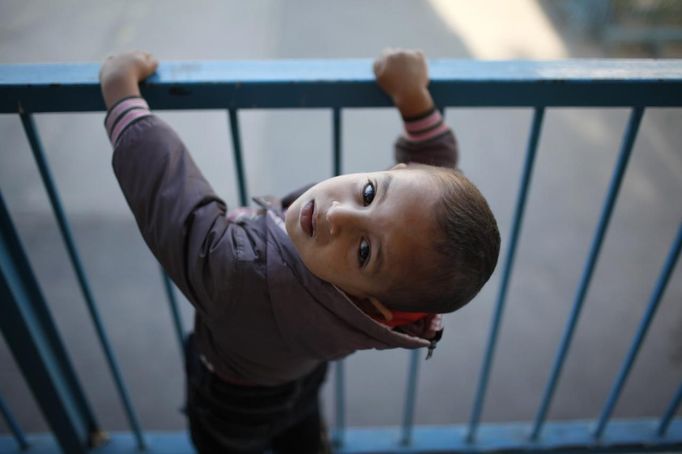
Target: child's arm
[(180, 217), (403, 75)]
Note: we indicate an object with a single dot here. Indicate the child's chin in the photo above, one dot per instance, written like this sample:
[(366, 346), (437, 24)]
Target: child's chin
[(290, 218), (293, 230)]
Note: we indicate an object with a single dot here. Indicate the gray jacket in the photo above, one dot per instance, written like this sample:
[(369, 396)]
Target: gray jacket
[(261, 316)]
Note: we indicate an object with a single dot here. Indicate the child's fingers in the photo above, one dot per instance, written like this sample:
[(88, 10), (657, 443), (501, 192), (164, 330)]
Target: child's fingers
[(146, 63), (153, 62), (380, 62), (151, 59), (378, 66)]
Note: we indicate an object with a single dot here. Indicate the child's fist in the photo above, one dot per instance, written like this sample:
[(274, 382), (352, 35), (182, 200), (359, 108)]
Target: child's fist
[(403, 75), (400, 71), (120, 74), (135, 65)]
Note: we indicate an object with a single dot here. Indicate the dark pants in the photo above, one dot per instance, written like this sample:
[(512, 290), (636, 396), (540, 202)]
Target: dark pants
[(229, 418)]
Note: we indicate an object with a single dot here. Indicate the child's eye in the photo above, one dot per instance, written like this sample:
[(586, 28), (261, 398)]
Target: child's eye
[(368, 193), (363, 252)]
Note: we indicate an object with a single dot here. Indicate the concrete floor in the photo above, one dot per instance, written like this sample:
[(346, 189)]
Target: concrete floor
[(576, 155)]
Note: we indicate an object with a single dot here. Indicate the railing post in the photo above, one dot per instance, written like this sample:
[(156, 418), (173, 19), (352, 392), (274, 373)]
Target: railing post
[(410, 399), (670, 413), (339, 401), (339, 385), (13, 426), (43, 168), (336, 128), (238, 161), (531, 149), (32, 337), (612, 193), (654, 300), (175, 312)]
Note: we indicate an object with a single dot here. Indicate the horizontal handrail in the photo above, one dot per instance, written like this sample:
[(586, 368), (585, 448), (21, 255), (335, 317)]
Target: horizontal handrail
[(350, 83)]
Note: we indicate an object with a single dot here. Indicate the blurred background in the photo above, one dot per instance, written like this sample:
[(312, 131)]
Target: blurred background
[(575, 157)]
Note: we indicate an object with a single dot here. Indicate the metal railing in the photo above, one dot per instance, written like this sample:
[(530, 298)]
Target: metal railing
[(36, 345)]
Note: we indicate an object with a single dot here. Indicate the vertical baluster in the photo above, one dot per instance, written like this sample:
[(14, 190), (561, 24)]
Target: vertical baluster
[(340, 404), (175, 311), (13, 426), (533, 140), (412, 381), (410, 399), (669, 413), (655, 298), (339, 385), (614, 186), (36, 147), (337, 140), (238, 162), (31, 334)]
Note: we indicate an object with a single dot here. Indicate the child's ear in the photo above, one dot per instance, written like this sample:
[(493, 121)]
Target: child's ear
[(385, 312), (402, 165)]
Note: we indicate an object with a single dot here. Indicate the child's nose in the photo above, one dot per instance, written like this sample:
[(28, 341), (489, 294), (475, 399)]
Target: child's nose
[(341, 217)]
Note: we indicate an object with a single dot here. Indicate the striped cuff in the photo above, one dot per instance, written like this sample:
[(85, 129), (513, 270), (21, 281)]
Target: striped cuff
[(425, 127), (123, 114)]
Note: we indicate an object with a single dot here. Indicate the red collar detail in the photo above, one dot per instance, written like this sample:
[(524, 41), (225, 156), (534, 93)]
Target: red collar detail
[(402, 318)]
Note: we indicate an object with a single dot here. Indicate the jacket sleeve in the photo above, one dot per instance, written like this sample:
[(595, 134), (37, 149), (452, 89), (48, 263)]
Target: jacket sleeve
[(180, 217), (427, 140)]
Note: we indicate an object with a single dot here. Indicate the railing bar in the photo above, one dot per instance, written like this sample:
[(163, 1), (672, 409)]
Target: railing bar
[(669, 413), (340, 405), (626, 148), (13, 426), (238, 161), (654, 300), (32, 336), (408, 411), (531, 149), (339, 385), (175, 311), (336, 120), (36, 147)]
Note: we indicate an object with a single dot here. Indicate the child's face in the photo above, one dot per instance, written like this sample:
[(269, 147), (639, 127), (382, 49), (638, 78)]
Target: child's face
[(365, 231)]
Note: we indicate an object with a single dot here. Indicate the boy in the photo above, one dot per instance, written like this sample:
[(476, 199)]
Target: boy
[(355, 262)]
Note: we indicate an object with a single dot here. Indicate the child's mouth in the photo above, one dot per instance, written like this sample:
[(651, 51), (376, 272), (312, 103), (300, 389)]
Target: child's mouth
[(306, 217)]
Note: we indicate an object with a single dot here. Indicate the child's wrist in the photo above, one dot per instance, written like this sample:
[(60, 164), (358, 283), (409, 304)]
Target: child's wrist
[(424, 126), (118, 85), (415, 103)]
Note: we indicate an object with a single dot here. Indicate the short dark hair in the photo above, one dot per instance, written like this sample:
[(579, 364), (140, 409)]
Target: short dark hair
[(466, 248)]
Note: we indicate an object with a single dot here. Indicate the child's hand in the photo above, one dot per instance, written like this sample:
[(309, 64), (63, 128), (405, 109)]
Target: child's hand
[(120, 74), (404, 76)]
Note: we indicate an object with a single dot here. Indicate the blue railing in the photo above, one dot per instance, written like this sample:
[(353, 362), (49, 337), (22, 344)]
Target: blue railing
[(37, 347)]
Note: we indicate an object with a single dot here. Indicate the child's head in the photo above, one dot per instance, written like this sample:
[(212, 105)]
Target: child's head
[(415, 238)]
